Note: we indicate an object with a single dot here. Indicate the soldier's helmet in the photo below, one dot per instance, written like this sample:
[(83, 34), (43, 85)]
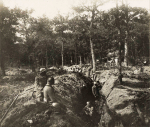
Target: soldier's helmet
[(88, 102), (42, 69), (42, 72)]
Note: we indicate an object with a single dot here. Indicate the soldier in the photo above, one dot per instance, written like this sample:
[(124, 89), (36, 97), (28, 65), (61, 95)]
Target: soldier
[(99, 85), (40, 82), (49, 93), (95, 90), (89, 70), (94, 76), (88, 109)]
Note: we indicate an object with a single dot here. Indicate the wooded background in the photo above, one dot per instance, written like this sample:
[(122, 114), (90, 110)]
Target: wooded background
[(84, 36)]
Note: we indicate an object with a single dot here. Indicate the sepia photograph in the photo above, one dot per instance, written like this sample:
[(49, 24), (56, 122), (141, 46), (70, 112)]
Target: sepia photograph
[(74, 63)]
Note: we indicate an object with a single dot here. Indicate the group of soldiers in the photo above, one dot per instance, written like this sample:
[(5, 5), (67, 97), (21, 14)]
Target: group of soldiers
[(96, 90), (45, 92)]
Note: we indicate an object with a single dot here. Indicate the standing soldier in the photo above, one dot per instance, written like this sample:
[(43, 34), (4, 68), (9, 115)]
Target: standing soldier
[(89, 70), (95, 90)]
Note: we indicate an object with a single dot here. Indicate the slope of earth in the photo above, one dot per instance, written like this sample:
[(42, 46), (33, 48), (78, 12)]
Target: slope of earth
[(127, 103), (12, 84), (26, 112)]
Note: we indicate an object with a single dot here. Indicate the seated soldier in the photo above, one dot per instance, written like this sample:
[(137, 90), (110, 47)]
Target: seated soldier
[(88, 109), (40, 82), (49, 94)]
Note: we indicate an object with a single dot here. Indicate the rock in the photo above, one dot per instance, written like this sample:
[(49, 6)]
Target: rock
[(29, 103), (30, 121), (119, 98), (109, 85), (6, 78), (121, 102), (53, 68), (39, 116), (107, 121), (104, 76), (137, 71)]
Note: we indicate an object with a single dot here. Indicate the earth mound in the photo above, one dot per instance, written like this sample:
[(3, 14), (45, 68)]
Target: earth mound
[(26, 112)]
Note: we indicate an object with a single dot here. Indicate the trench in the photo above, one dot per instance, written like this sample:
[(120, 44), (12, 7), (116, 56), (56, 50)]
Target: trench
[(106, 117), (85, 94), (72, 98)]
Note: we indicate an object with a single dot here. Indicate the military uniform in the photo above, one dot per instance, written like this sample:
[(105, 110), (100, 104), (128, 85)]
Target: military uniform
[(88, 110), (48, 90), (49, 93), (94, 90)]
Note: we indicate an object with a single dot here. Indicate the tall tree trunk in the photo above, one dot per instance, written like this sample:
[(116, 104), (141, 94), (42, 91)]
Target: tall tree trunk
[(53, 55), (71, 60), (126, 39), (33, 62), (119, 31), (53, 61), (2, 64), (29, 63), (91, 43), (2, 59), (80, 60), (120, 68), (75, 52), (42, 63), (93, 56), (1, 48), (135, 44), (62, 54), (46, 58), (38, 63), (120, 57), (126, 52), (84, 60)]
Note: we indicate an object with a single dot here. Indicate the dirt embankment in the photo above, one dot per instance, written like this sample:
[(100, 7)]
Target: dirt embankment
[(123, 105), (26, 112), (126, 104)]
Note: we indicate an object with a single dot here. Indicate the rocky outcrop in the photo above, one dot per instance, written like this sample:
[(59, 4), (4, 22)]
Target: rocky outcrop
[(123, 103)]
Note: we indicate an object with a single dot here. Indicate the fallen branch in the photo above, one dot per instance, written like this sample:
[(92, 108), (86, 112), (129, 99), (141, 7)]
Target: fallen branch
[(9, 108)]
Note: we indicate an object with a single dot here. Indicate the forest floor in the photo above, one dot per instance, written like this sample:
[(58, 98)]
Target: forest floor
[(25, 109)]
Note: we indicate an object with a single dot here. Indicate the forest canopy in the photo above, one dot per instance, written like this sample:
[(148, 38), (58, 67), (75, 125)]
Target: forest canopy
[(66, 40)]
